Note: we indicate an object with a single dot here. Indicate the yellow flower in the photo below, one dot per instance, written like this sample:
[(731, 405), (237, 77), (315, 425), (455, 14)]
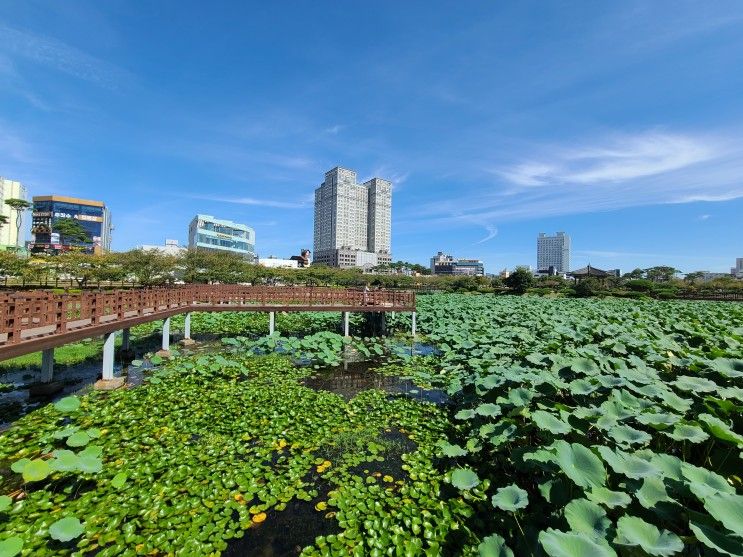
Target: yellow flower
[(321, 506)]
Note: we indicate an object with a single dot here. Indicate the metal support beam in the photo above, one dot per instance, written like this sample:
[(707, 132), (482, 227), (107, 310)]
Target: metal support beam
[(271, 322), (187, 327), (125, 340), (166, 334), (109, 344), (414, 324), (346, 315), (47, 365)]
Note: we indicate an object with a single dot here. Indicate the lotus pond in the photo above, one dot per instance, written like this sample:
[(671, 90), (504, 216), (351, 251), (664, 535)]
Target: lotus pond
[(567, 428)]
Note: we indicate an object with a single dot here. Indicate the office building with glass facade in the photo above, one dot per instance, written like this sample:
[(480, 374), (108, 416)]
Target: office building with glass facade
[(208, 233), (61, 224)]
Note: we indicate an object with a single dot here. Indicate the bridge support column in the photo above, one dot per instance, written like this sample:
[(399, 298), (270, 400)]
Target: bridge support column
[(166, 335), (345, 323), (187, 327), (413, 328), (109, 344), (125, 340), (271, 322), (47, 365)]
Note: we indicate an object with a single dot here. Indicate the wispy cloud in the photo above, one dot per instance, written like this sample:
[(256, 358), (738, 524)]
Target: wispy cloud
[(603, 174), (703, 217), (492, 232), (395, 176), (62, 57), (303, 204), (625, 158), (333, 130)]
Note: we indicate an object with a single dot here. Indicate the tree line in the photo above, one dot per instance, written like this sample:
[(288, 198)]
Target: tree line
[(155, 268)]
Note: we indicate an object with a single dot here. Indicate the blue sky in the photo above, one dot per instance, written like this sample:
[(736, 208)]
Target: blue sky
[(620, 123)]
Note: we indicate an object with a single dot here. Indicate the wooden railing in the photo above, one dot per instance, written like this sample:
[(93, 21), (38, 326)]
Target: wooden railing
[(39, 314)]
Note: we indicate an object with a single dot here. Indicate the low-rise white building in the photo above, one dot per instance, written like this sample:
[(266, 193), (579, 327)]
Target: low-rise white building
[(171, 247), (276, 263)]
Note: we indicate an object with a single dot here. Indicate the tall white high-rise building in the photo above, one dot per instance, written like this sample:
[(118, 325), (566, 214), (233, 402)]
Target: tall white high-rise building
[(9, 233), (353, 222), (737, 271), (553, 251)]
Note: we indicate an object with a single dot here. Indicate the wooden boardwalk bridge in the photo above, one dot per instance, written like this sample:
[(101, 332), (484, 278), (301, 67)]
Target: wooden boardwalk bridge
[(36, 321)]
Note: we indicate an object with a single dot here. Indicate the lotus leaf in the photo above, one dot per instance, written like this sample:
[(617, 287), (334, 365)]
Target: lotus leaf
[(79, 439), (652, 492), (11, 547), (626, 435), (580, 464), (572, 544), (728, 367), (549, 422), (695, 384), (585, 366), (588, 518), (67, 404), (494, 546), (687, 432), (722, 542), (720, 429), (510, 498), (464, 478), (625, 463), (66, 529), (608, 498), (452, 450), (5, 503), (488, 409), (634, 531), (36, 470), (728, 509)]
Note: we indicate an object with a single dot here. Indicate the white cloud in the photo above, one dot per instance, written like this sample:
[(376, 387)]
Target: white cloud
[(62, 57), (253, 201), (625, 158), (604, 174), (703, 217)]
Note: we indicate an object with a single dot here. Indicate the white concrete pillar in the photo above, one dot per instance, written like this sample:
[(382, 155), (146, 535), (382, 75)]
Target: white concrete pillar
[(47, 365), (166, 334), (109, 345), (125, 340), (345, 323), (187, 327), (271, 322), (414, 324)]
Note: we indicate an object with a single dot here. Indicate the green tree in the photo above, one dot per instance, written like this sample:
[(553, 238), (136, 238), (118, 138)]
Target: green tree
[(636, 274), (661, 273), (520, 280), (149, 268), (11, 265), (70, 230), (19, 206), (692, 278)]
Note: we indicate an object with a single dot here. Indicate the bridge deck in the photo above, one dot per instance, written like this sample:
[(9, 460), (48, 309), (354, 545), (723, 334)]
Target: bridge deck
[(38, 320)]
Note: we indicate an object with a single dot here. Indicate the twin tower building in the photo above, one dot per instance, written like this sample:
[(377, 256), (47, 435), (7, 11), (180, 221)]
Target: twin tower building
[(352, 221)]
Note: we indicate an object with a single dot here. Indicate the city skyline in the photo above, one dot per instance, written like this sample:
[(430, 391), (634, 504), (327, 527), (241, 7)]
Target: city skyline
[(515, 122)]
